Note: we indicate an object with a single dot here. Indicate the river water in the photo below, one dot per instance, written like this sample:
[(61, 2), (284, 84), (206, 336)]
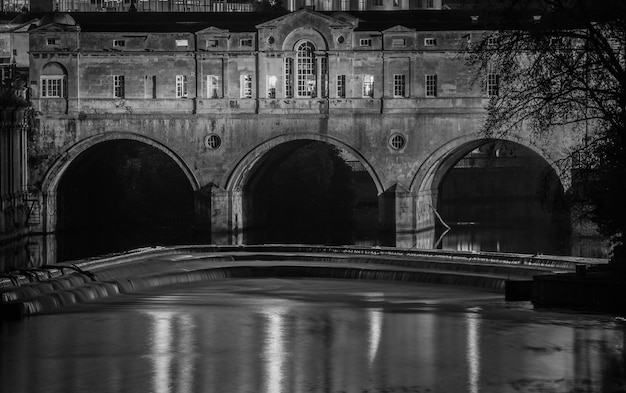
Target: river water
[(334, 336)]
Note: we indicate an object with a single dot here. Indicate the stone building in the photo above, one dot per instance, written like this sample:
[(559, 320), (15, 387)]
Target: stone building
[(223, 96)]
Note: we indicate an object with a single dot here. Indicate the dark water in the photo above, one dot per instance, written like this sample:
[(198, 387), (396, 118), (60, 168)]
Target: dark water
[(312, 336)]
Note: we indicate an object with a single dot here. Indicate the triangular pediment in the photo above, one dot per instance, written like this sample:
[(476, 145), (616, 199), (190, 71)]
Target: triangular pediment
[(302, 17), (212, 30), (398, 29)]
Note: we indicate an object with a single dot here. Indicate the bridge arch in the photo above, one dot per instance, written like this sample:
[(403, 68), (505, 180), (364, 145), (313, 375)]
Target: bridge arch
[(59, 167), (242, 171), (432, 170)]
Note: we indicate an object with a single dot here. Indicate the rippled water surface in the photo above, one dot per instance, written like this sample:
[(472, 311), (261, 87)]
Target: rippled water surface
[(289, 336)]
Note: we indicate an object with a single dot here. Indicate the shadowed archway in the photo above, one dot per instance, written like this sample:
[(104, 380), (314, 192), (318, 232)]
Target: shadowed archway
[(121, 194)]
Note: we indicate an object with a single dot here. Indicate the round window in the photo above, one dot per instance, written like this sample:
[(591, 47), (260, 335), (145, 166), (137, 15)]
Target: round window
[(340, 39), (213, 141), (271, 40), (397, 141)]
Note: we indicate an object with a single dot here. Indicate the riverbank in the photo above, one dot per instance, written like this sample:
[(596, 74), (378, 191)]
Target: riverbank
[(589, 288)]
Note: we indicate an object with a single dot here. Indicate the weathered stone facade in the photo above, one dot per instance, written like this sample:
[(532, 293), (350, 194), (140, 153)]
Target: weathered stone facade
[(256, 81)]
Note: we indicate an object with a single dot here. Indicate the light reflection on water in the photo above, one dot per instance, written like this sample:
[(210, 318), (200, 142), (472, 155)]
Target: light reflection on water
[(279, 336)]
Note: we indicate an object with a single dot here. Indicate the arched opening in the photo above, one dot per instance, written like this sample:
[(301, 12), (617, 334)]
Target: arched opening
[(122, 194), (308, 191), (500, 196)]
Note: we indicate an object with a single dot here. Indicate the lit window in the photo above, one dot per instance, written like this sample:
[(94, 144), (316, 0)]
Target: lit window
[(493, 84), (368, 86), (246, 86), (345, 5), (306, 70), (361, 5), (398, 42), (184, 43), (52, 41), (399, 85), (431, 85), (365, 42), (53, 86), (341, 86), (430, 41), (118, 86), (181, 86), (119, 43), (271, 86), (213, 86), (288, 77)]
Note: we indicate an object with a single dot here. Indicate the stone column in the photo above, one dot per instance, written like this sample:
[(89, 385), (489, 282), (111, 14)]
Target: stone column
[(396, 207), (226, 216)]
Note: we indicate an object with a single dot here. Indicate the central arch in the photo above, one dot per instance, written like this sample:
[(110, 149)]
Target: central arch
[(281, 169)]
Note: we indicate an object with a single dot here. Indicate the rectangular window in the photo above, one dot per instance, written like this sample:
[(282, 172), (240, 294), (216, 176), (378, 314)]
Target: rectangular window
[(345, 5), (396, 3), (431, 85), (181, 86), (52, 41), (212, 44), (430, 3), (491, 42), (341, 86), (247, 42), (378, 2), (399, 85), (361, 5), (150, 86), (328, 5), (53, 86), (271, 86), (365, 42), (119, 89), (398, 42), (119, 43), (288, 77), (246, 86), (182, 43), (368, 86), (493, 84), (430, 41), (213, 86)]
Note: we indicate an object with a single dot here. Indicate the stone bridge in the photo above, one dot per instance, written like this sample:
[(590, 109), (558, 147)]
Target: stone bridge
[(406, 137)]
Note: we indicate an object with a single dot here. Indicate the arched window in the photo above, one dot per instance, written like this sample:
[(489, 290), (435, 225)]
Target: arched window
[(53, 81), (305, 66)]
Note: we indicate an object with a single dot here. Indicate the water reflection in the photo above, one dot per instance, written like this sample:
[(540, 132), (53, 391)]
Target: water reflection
[(311, 336)]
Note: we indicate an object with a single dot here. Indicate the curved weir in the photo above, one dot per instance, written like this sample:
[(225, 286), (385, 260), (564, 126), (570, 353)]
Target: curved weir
[(62, 285)]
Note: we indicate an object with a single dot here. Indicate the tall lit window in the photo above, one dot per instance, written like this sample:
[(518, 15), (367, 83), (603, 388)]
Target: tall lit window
[(119, 89), (399, 85), (493, 84), (324, 76), (328, 5), (53, 81), (213, 86), (368, 85), (246, 86), (345, 5), (306, 70), (341, 86), (362, 5), (271, 86), (288, 77), (431, 85), (181, 86)]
